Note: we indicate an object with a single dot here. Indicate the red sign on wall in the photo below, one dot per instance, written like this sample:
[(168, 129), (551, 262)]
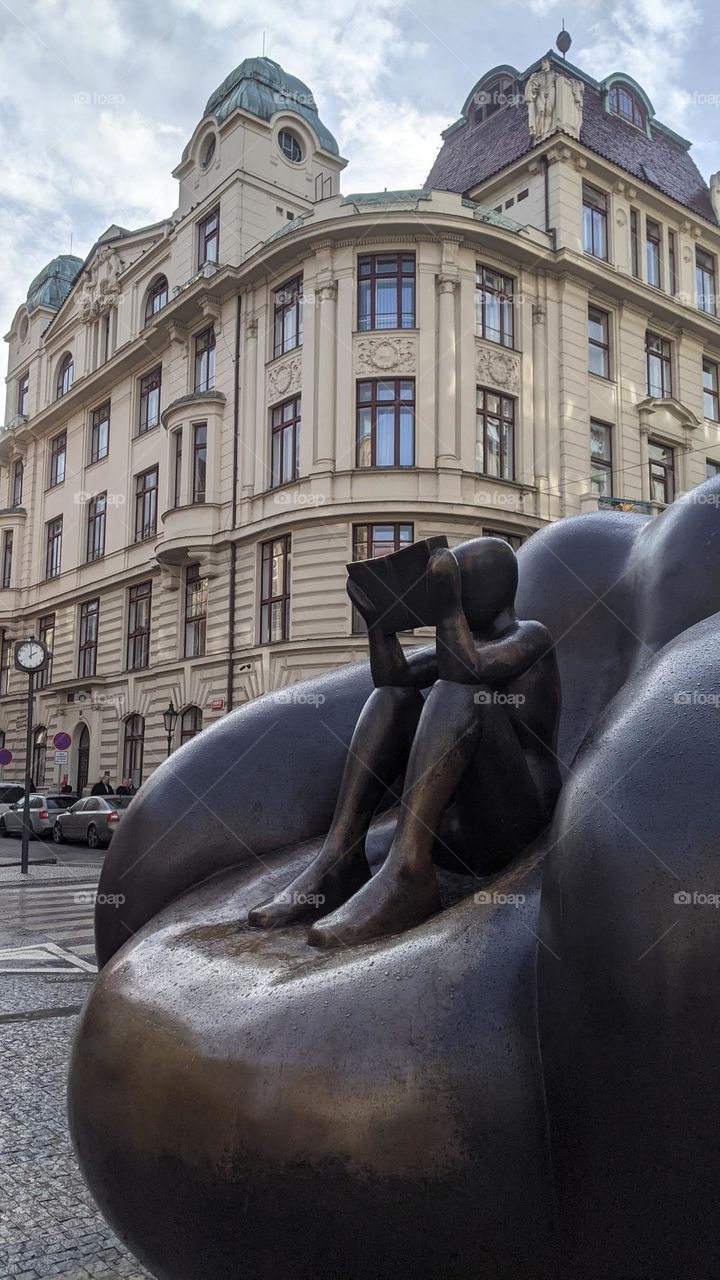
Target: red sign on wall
[(217, 704)]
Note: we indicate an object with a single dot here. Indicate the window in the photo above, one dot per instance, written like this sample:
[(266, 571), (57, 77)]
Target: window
[(672, 262), (177, 466), (705, 281), (208, 151), (5, 662), (598, 342), (58, 452), (386, 423), (53, 547), (494, 434), (285, 459), (386, 291), (653, 252), (275, 590), (7, 558), (659, 366), (100, 432), (190, 724), (594, 221), (205, 360), (495, 95), (635, 243), (87, 650), (199, 461), (146, 492), (97, 508), (494, 306), (287, 317), (150, 401), (626, 104), (65, 376), (17, 483), (710, 390), (372, 540), (601, 459), (133, 749), (662, 472), (209, 239), (39, 754), (23, 400), (46, 633), (514, 540), (138, 635), (196, 606), (712, 469), (290, 146), (157, 297)]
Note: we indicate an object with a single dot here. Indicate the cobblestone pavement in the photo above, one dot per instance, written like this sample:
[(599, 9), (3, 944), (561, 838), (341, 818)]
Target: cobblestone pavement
[(49, 1226)]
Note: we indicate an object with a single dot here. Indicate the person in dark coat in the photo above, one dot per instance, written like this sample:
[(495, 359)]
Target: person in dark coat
[(126, 788), (102, 787)]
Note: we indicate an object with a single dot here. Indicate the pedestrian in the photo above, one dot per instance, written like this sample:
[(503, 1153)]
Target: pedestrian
[(102, 786), (65, 788), (126, 788)]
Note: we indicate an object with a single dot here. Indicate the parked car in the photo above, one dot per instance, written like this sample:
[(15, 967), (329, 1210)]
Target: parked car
[(43, 812), (93, 819), (10, 793)]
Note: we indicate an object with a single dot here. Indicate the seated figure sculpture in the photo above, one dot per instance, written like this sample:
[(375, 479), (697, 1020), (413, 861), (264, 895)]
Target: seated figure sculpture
[(482, 740)]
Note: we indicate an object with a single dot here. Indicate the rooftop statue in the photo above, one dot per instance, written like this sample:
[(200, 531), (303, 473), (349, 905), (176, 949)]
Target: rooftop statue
[(511, 1073)]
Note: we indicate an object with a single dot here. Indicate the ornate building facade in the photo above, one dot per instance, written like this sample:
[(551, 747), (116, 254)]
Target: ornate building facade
[(208, 417)]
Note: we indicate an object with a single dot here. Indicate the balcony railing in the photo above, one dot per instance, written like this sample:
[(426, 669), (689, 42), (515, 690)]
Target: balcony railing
[(631, 504)]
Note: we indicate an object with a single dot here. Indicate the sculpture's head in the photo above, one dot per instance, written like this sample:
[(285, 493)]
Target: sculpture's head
[(489, 576)]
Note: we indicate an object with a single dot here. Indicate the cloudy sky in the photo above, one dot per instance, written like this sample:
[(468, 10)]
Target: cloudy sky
[(98, 97)]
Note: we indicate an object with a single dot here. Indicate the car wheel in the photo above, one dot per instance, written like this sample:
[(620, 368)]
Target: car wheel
[(57, 834), (92, 837)]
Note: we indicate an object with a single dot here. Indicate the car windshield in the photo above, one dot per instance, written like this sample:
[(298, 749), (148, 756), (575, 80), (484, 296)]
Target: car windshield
[(118, 802), (60, 802)]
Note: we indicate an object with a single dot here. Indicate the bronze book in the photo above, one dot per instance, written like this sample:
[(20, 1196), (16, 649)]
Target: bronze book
[(397, 585)]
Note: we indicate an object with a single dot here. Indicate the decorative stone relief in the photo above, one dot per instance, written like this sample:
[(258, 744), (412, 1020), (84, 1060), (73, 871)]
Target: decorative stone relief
[(499, 369), (715, 193), (554, 103), (385, 355), (284, 378), (101, 284)]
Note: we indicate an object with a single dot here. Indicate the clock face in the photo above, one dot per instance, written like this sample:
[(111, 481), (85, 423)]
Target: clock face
[(30, 655)]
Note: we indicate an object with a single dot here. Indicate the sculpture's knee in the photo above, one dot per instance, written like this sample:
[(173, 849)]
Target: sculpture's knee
[(396, 703)]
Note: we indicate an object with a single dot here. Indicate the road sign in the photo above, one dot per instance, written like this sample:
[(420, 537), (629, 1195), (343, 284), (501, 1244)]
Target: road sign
[(62, 741), (61, 757), (5, 757)]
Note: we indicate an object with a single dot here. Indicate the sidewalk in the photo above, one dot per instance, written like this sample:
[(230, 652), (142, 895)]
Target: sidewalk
[(49, 1226)]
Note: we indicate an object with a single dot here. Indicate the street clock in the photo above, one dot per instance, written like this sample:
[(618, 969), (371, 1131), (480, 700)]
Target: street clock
[(31, 656)]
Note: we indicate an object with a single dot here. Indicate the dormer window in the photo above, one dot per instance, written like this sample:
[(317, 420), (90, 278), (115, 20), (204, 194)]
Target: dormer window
[(157, 297), (493, 96), (208, 151), (624, 102), (65, 375), (290, 146)]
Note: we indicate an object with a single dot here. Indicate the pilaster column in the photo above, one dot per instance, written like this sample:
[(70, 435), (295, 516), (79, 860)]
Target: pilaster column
[(447, 454), (249, 426), (644, 461), (326, 328)]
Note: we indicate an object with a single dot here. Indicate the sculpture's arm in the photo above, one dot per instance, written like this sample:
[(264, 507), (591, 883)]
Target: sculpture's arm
[(389, 664), (513, 655)]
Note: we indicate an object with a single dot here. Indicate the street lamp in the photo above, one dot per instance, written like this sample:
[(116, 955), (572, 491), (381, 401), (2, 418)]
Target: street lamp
[(170, 716)]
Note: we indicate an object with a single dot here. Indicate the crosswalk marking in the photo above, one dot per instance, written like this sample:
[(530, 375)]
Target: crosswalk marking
[(46, 958), (61, 914)]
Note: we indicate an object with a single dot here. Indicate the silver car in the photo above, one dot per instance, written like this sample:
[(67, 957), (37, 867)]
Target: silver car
[(93, 819), (43, 812)]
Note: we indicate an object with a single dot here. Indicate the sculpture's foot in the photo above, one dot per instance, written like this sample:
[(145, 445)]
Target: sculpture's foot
[(394, 900), (320, 888)]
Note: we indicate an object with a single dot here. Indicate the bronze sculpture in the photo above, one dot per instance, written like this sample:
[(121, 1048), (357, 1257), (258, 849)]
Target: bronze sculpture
[(484, 737), (522, 1085)]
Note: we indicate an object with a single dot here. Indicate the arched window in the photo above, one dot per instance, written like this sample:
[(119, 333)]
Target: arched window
[(17, 483), (157, 297), (624, 102), (83, 759), (65, 375), (190, 724), (493, 96), (133, 749), (2, 739), (39, 752)]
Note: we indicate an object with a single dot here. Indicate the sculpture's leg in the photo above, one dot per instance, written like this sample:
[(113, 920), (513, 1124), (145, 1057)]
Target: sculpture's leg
[(378, 752), (459, 723)]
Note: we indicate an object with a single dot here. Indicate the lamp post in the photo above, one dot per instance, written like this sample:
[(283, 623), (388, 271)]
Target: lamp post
[(30, 656), (170, 716)]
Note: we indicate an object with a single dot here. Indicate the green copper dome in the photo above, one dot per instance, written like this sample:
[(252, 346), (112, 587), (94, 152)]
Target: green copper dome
[(261, 87), (52, 285)]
